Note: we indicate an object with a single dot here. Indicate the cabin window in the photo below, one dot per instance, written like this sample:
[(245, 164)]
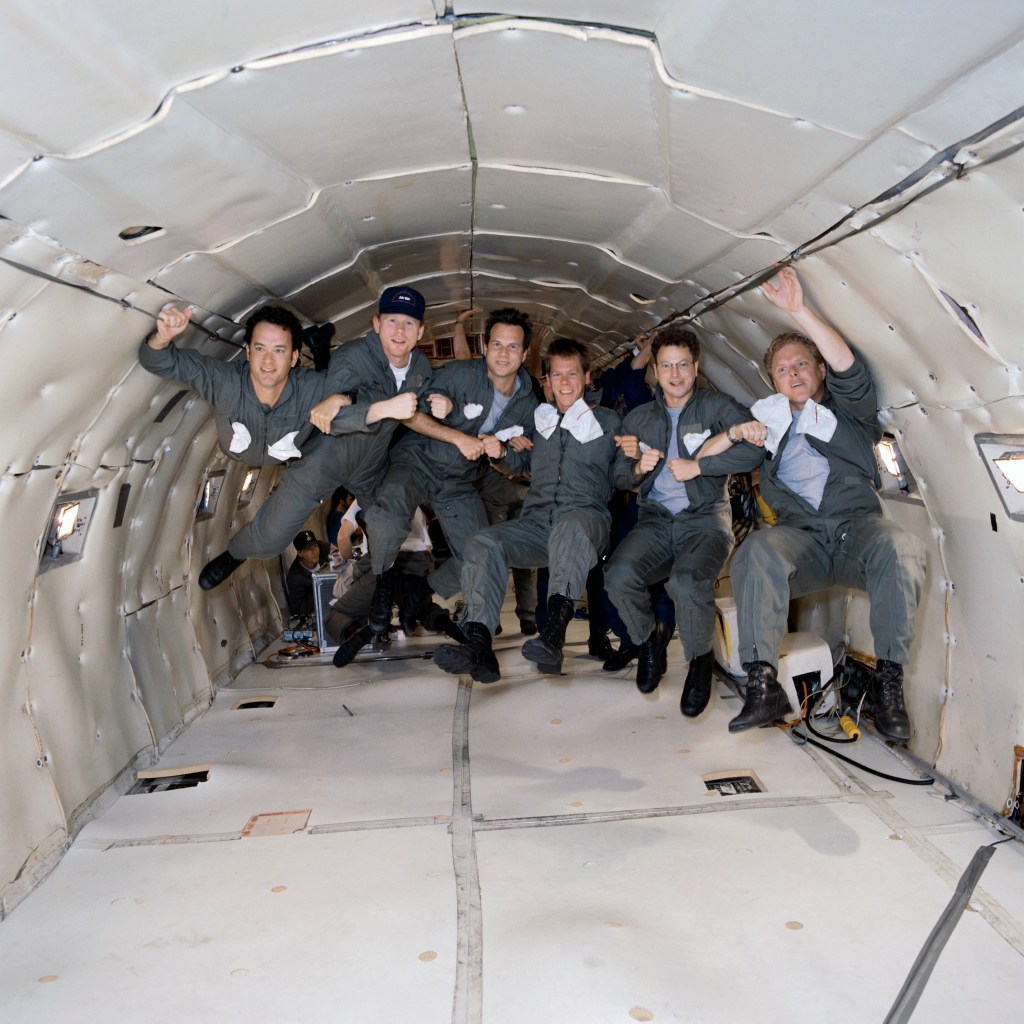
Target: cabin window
[(1003, 455)]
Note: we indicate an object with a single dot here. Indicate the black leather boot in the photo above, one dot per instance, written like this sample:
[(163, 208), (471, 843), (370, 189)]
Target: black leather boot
[(437, 620), (218, 569), (600, 647), (765, 702), (697, 688), (619, 659), (381, 602), (885, 701), (545, 649), (355, 639), (652, 659), (475, 657), (414, 596)]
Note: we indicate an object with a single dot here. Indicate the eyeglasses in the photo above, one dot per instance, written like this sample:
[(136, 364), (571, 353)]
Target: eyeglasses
[(686, 364)]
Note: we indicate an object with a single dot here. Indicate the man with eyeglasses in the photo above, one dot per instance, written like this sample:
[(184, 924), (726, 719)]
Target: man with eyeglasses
[(686, 443), (468, 400)]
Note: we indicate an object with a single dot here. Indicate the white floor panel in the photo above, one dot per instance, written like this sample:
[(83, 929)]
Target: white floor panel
[(540, 849), (801, 914), (326, 928)]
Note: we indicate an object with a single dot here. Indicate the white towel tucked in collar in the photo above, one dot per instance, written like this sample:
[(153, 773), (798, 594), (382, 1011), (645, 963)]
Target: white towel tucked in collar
[(580, 421), (545, 419), (774, 412)]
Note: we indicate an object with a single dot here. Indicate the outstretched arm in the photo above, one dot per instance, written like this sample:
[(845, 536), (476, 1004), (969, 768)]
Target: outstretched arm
[(169, 324), (789, 297), (460, 346)]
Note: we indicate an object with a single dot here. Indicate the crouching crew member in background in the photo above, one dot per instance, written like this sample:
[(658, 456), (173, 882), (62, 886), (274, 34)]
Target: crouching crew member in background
[(467, 398), (821, 480), (564, 524), (687, 442), (310, 555)]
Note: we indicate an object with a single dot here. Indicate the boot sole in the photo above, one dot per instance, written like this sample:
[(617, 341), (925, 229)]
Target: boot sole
[(781, 709), (547, 661), (457, 663)]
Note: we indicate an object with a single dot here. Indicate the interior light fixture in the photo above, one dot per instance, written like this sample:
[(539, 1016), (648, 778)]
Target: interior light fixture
[(248, 487), (207, 507), (892, 462), (1003, 455), (66, 529)]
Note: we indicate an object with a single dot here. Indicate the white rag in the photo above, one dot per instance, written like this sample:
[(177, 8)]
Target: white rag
[(472, 410), (580, 421), (774, 412), (509, 432), (694, 441), (240, 439), (285, 448), (545, 419)]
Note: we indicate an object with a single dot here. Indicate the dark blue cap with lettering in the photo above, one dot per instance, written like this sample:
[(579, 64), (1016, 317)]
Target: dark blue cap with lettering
[(402, 299)]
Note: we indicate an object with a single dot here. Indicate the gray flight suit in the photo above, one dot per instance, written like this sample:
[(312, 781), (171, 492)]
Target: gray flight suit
[(353, 455), (689, 548), (565, 520), (503, 498), (844, 542), (228, 388), (424, 470)]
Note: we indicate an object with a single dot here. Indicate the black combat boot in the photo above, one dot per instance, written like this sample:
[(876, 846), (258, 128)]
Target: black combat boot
[(600, 647), (619, 659), (356, 637), (475, 656), (437, 620), (381, 602), (697, 688), (545, 649), (885, 701), (765, 702), (652, 659), (414, 596), (217, 570)]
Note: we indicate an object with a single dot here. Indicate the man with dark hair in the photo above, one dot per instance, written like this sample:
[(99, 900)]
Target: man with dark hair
[(310, 555), (821, 480), (564, 524), (386, 372), (261, 407), (686, 449), (471, 398)]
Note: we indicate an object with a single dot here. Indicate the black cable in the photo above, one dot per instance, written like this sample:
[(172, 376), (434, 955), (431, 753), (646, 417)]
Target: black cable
[(856, 764)]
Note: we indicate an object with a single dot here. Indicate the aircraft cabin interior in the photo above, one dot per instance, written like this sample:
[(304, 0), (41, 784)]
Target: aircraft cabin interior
[(197, 825)]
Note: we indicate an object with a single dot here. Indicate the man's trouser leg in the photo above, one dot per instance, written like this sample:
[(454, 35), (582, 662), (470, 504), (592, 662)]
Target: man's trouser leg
[(642, 557), (702, 545), (302, 486), (770, 566), (486, 561), (575, 544), (389, 517), (876, 555), (460, 515)]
